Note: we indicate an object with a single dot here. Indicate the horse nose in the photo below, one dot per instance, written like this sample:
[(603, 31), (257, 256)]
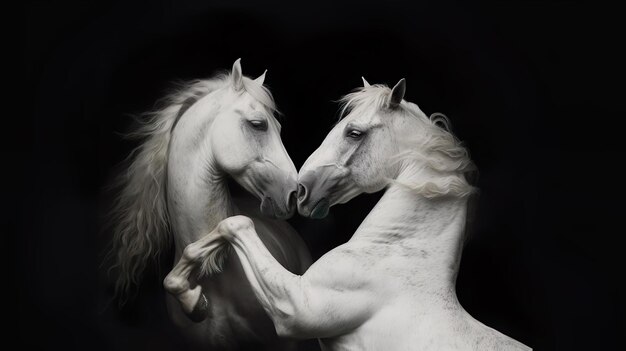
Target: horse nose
[(302, 192)]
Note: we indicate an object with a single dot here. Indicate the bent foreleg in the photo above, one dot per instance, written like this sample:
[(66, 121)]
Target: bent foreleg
[(298, 308), (204, 254)]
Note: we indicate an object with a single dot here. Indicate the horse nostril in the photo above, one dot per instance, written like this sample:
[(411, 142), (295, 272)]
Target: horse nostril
[(302, 193), (292, 201)]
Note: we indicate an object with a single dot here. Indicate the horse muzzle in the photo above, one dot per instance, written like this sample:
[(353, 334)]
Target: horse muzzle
[(281, 209), (278, 195), (315, 188)]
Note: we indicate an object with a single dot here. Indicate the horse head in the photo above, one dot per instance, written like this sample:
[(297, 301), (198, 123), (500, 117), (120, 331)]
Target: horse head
[(379, 136), (236, 134)]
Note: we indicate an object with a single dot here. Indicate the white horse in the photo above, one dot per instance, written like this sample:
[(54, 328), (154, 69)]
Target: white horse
[(392, 285), (176, 190)]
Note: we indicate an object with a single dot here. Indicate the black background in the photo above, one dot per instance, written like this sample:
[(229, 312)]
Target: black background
[(533, 88)]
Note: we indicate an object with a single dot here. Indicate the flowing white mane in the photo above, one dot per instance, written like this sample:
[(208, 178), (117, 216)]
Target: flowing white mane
[(142, 229), (440, 151)]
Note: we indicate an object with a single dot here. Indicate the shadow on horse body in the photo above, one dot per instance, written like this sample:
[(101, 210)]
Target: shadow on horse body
[(176, 191)]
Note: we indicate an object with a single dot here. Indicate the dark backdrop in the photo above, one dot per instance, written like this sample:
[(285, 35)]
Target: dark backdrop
[(531, 87)]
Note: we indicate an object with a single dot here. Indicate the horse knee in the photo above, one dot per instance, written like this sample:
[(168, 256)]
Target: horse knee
[(192, 252), (175, 285), (235, 224)]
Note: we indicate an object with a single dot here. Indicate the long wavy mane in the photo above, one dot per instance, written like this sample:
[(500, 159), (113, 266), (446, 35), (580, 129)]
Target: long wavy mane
[(142, 228)]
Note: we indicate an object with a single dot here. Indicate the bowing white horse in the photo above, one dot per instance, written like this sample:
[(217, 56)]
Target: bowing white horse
[(392, 285), (176, 190)]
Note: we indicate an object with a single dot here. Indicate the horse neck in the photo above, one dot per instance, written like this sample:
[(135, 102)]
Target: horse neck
[(428, 230), (199, 209), (197, 191)]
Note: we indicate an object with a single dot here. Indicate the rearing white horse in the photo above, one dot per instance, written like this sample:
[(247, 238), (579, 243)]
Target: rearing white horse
[(392, 285), (176, 190)]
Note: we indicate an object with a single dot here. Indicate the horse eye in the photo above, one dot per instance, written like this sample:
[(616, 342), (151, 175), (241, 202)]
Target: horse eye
[(355, 134), (258, 124)]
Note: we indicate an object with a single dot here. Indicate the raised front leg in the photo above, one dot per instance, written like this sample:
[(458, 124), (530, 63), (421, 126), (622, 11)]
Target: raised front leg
[(328, 300), (182, 285)]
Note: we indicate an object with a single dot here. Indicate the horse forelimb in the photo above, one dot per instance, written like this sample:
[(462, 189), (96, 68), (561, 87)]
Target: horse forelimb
[(193, 302)]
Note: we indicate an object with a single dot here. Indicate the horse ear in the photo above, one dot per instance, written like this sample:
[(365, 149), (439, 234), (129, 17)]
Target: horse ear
[(261, 78), (397, 94), (365, 83), (237, 76)]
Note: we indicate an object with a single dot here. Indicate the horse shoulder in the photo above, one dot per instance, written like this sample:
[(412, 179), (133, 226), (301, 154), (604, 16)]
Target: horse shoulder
[(345, 267), (336, 294)]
